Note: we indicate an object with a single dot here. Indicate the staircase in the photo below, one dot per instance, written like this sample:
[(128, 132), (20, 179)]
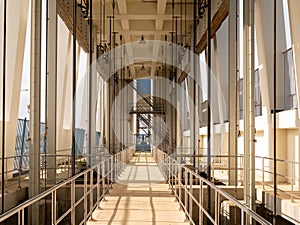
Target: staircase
[(151, 105)]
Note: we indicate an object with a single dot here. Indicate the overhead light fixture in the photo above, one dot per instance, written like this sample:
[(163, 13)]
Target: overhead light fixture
[(143, 68), (142, 41)]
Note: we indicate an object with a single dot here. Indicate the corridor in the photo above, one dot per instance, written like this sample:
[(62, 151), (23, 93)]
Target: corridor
[(140, 196)]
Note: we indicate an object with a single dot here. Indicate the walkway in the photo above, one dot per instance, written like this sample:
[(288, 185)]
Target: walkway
[(139, 197)]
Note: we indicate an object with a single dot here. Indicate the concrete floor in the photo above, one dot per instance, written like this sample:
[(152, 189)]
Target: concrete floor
[(140, 197)]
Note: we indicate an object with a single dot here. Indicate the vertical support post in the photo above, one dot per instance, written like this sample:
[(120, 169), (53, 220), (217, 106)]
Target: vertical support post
[(208, 105), (3, 107), (91, 112), (74, 78), (274, 120), (191, 194), (249, 122), (85, 196), (35, 108), (98, 186), (91, 193), (194, 127), (51, 90), (233, 92)]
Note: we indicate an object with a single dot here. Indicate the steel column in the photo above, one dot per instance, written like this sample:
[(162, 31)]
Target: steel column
[(209, 102), (91, 107), (35, 107), (249, 120), (3, 106), (74, 78), (274, 120), (51, 90), (233, 91)]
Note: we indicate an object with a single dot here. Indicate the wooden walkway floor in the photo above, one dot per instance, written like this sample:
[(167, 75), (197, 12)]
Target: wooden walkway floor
[(139, 197)]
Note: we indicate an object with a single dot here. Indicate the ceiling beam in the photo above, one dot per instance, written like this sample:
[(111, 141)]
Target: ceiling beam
[(161, 9), (125, 24), (144, 32), (145, 17), (129, 52), (122, 6), (161, 6)]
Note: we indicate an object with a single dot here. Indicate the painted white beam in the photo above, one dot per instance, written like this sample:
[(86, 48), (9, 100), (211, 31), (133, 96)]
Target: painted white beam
[(159, 24), (161, 6), (161, 9), (122, 6), (125, 24)]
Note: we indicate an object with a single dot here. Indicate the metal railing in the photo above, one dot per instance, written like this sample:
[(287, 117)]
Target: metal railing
[(16, 174), (288, 180), (107, 171), (184, 183)]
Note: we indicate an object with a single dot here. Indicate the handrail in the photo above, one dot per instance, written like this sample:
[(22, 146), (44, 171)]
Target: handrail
[(172, 171), (114, 166)]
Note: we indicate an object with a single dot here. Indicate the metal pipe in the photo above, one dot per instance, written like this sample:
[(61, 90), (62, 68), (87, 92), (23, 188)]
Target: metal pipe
[(209, 101), (3, 105), (46, 106), (175, 79), (73, 153), (274, 120), (46, 90), (101, 22), (114, 71), (109, 87), (90, 81), (181, 20), (194, 83)]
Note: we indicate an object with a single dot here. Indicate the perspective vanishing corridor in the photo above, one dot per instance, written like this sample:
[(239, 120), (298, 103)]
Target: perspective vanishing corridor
[(160, 112)]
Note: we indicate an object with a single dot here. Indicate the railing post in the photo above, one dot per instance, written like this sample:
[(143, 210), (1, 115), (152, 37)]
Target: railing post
[(53, 210), (103, 178), (185, 190), (73, 194), (179, 182), (217, 207), (112, 170), (292, 187), (169, 173), (22, 217), (242, 217), (263, 173), (98, 185), (85, 198), (91, 193), (200, 203), (190, 197)]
